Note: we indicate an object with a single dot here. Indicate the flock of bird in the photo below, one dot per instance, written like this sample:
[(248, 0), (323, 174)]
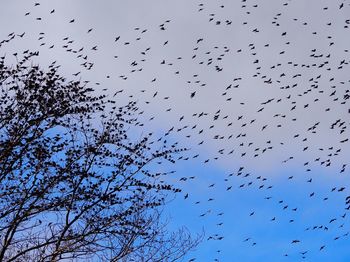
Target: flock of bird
[(279, 98)]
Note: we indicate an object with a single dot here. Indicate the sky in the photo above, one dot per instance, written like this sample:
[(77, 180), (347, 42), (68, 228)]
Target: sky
[(262, 83)]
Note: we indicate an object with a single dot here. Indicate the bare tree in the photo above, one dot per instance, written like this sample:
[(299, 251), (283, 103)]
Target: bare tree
[(73, 183)]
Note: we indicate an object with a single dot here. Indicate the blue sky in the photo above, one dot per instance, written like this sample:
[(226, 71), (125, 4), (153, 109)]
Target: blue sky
[(273, 238)]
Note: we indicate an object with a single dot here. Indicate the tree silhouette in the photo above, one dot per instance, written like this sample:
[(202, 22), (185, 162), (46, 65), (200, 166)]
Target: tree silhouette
[(73, 183)]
